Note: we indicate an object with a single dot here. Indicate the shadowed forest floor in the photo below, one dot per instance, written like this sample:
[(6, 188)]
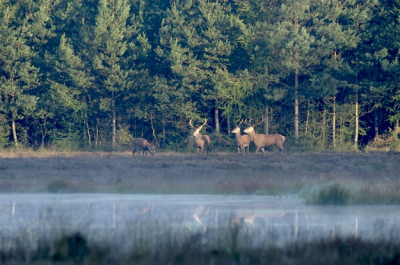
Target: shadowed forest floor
[(187, 173)]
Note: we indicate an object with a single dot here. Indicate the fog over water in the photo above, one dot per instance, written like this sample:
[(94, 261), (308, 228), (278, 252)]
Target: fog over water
[(263, 219)]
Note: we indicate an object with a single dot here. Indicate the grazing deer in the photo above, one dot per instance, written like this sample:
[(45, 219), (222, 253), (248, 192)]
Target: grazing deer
[(200, 141), (264, 140), (142, 145), (242, 141)]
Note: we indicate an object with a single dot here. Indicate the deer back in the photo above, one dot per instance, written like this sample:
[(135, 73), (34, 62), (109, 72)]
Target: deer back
[(140, 143), (202, 140), (265, 140)]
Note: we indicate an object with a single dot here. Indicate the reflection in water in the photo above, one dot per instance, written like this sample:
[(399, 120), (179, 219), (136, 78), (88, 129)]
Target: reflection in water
[(260, 220)]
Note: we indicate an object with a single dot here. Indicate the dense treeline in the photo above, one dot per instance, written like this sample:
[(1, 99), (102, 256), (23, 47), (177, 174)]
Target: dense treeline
[(95, 73)]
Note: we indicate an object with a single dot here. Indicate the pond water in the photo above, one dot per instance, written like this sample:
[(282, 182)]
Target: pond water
[(260, 219)]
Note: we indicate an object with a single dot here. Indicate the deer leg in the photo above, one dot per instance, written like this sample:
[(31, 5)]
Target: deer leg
[(262, 148)]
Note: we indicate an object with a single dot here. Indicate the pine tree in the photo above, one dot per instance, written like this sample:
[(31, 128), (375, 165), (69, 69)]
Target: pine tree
[(306, 34), (113, 57), (18, 74), (71, 89), (201, 38), (383, 53)]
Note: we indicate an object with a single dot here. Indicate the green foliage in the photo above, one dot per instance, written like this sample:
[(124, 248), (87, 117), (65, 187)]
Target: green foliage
[(385, 142), (67, 141), (57, 185), (124, 137), (331, 194), (106, 65), (4, 132)]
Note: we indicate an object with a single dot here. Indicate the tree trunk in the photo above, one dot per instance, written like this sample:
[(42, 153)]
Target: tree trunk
[(357, 121), (164, 132), (228, 124), (114, 121), (114, 127), (323, 128), (376, 123), (216, 113), (88, 131), (97, 133), (266, 123), (14, 131), (296, 104), (307, 121), (334, 122)]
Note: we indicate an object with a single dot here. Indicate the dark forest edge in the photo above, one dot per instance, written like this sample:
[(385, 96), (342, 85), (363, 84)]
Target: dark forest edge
[(94, 74)]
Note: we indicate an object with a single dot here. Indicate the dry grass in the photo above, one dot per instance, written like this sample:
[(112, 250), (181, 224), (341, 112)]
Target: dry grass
[(372, 176)]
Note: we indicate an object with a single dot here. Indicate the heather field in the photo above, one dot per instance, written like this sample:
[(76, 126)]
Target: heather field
[(314, 186), (352, 178)]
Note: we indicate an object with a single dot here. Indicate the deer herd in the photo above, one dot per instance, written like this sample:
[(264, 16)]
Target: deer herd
[(202, 141)]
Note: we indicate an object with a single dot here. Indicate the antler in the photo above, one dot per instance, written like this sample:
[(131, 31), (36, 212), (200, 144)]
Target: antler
[(191, 123), (248, 123), (236, 122), (262, 120), (205, 121)]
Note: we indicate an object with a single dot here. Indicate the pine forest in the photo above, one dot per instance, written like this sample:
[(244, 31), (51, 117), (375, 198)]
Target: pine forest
[(95, 74)]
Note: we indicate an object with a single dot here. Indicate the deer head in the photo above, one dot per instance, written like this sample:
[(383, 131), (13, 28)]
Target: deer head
[(237, 128), (250, 127), (196, 131)]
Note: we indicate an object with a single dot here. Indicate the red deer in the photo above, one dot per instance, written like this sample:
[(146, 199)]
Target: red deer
[(264, 140), (200, 141), (142, 145), (242, 141)]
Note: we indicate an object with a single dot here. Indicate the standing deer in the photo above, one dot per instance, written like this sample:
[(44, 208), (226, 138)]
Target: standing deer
[(200, 141), (264, 140), (142, 145), (242, 141)]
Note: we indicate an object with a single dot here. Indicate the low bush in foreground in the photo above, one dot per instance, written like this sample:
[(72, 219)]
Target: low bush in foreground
[(331, 194), (57, 185), (350, 193), (74, 249)]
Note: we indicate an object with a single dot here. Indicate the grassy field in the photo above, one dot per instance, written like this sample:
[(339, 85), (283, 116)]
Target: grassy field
[(319, 177)]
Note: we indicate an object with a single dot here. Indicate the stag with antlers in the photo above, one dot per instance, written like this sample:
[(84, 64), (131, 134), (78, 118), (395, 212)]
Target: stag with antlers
[(200, 141), (264, 140), (242, 141)]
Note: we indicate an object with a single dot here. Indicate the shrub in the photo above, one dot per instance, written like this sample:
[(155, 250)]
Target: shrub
[(333, 194), (57, 185)]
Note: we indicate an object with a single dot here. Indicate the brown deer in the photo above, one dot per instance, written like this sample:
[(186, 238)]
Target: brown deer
[(200, 141), (142, 145), (264, 140), (242, 141)]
